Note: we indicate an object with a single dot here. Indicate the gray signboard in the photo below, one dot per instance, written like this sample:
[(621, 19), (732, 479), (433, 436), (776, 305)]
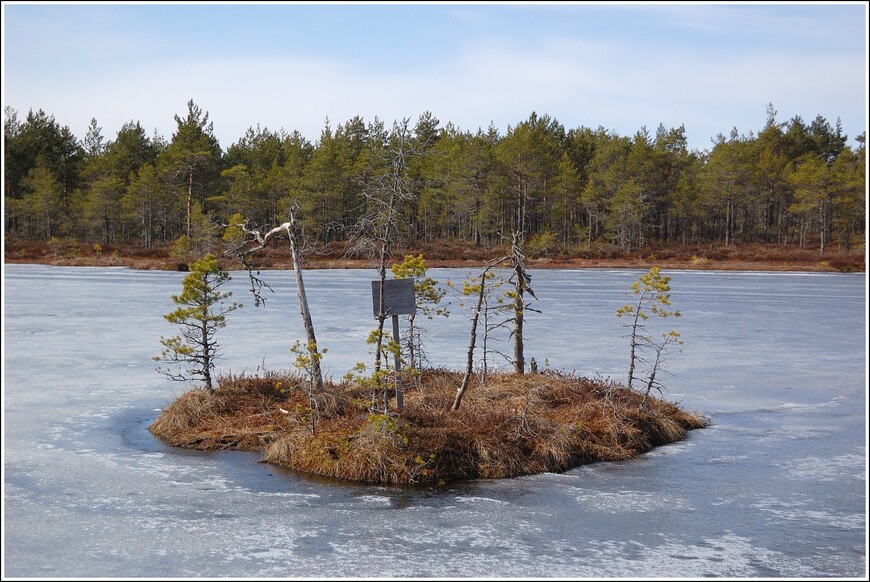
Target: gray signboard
[(398, 297)]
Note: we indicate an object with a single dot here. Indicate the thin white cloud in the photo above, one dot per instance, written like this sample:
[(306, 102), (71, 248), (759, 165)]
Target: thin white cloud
[(835, 26)]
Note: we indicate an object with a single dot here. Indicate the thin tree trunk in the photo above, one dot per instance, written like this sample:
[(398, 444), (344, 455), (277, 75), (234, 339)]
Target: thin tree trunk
[(206, 359), (290, 229), (652, 377), (469, 365), (189, 198), (382, 275), (634, 343), (412, 356), (313, 352), (519, 304), (520, 282), (822, 227)]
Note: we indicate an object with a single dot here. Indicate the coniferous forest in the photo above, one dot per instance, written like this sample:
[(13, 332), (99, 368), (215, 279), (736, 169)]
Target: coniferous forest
[(790, 183)]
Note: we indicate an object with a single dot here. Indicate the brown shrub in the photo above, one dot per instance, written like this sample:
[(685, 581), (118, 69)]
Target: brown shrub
[(847, 263)]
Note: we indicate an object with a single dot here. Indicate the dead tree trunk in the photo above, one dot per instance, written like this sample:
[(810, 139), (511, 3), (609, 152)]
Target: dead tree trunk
[(519, 359), (317, 375), (521, 281), (382, 315), (469, 366), (260, 242), (382, 277)]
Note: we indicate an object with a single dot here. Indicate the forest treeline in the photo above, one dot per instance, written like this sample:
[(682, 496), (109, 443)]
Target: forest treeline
[(789, 183)]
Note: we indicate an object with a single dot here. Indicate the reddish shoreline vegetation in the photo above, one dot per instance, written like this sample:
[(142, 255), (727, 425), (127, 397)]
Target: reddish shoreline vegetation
[(754, 257), (509, 426)]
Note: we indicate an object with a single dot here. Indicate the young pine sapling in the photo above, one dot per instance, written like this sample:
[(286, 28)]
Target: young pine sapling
[(201, 312), (652, 297), (428, 296)]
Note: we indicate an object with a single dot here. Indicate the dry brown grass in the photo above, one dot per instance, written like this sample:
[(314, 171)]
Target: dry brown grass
[(749, 257), (515, 425)]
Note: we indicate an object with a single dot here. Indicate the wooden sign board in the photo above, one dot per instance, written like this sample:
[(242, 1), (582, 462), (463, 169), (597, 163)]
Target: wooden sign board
[(398, 297)]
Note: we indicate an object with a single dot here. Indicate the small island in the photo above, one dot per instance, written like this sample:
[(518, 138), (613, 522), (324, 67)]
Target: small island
[(405, 424), (509, 426)]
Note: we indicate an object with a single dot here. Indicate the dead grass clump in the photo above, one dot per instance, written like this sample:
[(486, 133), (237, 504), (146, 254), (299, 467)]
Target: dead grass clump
[(334, 403), (187, 412), (514, 425), (271, 384), (242, 413), (367, 449)]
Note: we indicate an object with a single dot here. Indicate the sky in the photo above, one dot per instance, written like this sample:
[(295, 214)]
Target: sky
[(709, 67)]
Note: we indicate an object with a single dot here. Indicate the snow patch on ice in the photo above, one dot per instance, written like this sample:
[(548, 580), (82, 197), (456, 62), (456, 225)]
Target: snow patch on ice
[(797, 511), (630, 501), (848, 466)]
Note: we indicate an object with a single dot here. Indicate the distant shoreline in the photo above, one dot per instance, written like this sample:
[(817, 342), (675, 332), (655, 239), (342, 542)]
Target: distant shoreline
[(737, 258)]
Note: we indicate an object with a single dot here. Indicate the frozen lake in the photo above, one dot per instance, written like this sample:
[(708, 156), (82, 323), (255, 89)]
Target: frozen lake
[(776, 487)]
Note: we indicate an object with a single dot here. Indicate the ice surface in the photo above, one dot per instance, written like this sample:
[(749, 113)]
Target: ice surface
[(776, 487)]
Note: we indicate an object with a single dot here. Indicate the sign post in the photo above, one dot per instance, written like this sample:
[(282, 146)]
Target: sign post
[(398, 300)]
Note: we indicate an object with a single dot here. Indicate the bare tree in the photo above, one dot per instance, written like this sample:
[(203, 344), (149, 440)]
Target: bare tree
[(520, 278), (660, 348), (522, 284), (498, 314), (379, 228), (254, 242)]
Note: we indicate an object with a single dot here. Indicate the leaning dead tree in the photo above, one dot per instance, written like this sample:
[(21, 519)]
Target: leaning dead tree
[(475, 317), (255, 241)]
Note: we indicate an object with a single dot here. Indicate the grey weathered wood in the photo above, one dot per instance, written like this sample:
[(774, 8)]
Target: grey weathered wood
[(303, 305), (398, 297), (260, 242), (400, 396)]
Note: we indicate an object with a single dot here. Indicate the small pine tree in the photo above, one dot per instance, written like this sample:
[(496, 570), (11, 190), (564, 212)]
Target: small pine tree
[(652, 293), (496, 308), (428, 296), (201, 312)]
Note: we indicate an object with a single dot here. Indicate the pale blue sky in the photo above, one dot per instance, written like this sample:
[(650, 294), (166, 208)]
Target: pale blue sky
[(621, 66)]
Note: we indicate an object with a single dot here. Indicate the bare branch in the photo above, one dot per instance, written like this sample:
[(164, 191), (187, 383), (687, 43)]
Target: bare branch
[(256, 241)]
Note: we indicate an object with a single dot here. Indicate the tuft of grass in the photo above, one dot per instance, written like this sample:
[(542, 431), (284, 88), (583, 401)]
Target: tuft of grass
[(186, 413), (514, 425)]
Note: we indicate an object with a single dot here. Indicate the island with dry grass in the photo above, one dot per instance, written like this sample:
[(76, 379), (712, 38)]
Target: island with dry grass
[(512, 425), (410, 425)]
